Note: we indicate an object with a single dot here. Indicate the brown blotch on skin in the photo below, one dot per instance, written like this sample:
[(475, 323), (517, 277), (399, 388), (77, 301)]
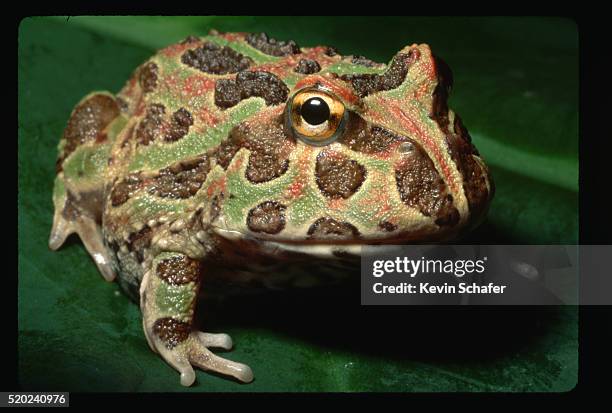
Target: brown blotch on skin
[(364, 61), (262, 84), (338, 176), (182, 179), (171, 331), (227, 93), (270, 147), (387, 226), (139, 241), (179, 270), (179, 125), (268, 217), (439, 109), (271, 46), (421, 186), (394, 76), (125, 189), (307, 67), (215, 59), (88, 120), (147, 77), (227, 150), (150, 126), (328, 228), (360, 137)]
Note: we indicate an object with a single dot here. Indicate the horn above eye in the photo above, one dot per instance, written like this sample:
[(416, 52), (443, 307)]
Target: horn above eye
[(316, 116)]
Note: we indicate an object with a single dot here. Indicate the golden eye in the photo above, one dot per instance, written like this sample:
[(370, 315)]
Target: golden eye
[(316, 116)]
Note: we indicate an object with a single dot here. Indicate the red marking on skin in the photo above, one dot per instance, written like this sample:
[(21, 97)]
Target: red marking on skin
[(232, 37), (377, 116), (207, 117), (235, 165), (197, 85), (412, 127), (172, 83), (337, 204), (216, 187), (140, 107), (131, 85), (266, 114), (130, 92), (345, 93), (430, 67), (421, 91), (175, 49), (383, 207), (378, 203), (280, 68), (316, 53), (295, 189)]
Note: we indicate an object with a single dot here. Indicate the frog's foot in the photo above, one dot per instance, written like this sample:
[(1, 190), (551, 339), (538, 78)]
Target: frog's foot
[(70, 220), (194, 351), (168, 295)]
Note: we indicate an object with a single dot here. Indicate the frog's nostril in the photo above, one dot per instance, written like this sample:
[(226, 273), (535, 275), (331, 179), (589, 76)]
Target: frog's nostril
[(406, 147)]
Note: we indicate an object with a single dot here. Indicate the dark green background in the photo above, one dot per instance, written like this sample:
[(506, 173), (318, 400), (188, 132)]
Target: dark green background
[(516, 88)]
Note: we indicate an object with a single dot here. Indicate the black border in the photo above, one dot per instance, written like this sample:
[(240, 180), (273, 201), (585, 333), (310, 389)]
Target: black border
[(595, 341)]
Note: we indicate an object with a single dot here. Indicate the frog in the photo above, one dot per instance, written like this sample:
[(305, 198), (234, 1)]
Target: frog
[(231, 161)]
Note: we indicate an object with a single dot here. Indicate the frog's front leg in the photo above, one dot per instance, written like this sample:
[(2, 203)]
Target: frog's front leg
[(168, 296)]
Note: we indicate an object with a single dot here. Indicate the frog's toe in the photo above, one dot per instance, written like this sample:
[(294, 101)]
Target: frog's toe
[(178, 359), (203, 358), (194, 352), (216, 340)]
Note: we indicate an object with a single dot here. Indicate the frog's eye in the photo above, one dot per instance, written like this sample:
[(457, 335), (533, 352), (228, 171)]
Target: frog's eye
[(316, 116)]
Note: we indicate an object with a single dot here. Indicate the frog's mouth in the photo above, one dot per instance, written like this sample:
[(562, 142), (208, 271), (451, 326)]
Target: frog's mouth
[(334, 247)]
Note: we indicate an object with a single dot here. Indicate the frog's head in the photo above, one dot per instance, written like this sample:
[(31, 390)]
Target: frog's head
[(346, 150)]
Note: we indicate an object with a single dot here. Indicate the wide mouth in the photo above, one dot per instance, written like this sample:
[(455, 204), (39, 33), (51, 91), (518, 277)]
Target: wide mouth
[(399, 238)]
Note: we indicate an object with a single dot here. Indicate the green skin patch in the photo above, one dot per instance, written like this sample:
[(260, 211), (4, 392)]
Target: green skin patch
[(245, 194), (160, 156), (305, 208), (143, 207), (172, 300), (346, 68), (87, 162), (175, 300)]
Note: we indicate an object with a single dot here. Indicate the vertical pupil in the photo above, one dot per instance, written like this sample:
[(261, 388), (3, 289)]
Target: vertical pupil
[(315, 111)]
